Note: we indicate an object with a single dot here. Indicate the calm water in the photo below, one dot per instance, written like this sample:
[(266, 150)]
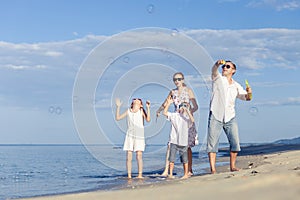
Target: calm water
[(27, 171)]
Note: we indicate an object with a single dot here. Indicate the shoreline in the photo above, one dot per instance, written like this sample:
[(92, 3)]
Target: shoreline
[(267, 171)]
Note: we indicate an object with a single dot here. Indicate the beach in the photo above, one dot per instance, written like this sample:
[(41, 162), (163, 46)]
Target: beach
[(270, 171)]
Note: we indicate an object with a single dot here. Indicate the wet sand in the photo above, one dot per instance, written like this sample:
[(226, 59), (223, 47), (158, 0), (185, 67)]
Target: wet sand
[(268, 171)]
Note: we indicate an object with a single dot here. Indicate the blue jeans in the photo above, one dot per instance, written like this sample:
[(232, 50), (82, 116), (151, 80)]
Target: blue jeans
[(214, 132), (182, 152)]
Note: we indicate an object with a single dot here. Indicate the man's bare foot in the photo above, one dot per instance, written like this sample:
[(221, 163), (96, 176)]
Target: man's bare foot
[(140, 177), (213, 172), (235, 169)]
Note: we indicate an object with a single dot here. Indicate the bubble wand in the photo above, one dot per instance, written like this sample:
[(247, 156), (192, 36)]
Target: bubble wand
[(248, 86), (247, 83)]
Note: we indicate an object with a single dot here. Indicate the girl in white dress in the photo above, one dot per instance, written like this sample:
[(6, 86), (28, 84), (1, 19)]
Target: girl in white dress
[(135, 139)]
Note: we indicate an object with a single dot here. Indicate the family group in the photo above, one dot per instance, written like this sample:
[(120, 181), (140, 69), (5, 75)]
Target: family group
[(183, 134)]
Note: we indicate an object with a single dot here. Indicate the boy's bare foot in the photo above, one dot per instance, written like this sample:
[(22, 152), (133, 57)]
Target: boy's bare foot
[(213, 171), (235, 169), (140, 177), (190, 174)]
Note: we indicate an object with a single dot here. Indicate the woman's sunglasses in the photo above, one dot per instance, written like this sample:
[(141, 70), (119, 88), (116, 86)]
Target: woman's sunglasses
[(177, 79)]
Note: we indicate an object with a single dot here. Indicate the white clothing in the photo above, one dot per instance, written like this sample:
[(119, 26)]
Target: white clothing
[(223, 98), (135, 139), (179, 129)]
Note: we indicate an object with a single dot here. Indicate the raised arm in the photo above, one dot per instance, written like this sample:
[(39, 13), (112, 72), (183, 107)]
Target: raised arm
[(214, 71), (168, 102), (161, 108), (118, 116), (194, 108), (148, 111)]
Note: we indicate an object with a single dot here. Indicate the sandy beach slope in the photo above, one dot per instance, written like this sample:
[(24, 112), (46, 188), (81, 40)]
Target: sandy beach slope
[(268, 174)]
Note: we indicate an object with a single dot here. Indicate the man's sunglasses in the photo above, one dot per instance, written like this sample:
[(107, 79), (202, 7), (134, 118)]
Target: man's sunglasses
[(227, 66)]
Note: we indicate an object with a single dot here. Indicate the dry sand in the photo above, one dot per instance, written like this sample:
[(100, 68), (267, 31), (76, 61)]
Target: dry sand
[(271, 173)]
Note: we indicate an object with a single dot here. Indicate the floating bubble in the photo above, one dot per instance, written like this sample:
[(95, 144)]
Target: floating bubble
[(51, 109), (58, 110), (126, 59), (253, 111), (150, 8), (111, 60)]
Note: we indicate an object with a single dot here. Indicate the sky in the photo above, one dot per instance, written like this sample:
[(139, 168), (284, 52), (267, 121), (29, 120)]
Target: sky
[(55, 55)]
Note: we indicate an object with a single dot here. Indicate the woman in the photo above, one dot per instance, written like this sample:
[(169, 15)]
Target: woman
[(181, 94)]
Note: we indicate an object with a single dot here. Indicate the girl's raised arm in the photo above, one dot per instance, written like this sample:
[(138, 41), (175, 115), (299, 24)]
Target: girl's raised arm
[(118, 116)]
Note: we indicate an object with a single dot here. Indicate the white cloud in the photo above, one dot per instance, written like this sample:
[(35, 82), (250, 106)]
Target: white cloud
[(253, 49), (274, 84), (278, 5), (286, 102), (24, 67), (52, 66), (53, 53)]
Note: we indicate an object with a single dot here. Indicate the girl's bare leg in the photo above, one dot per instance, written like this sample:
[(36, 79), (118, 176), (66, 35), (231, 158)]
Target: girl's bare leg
[(139, 158), (129, 163)]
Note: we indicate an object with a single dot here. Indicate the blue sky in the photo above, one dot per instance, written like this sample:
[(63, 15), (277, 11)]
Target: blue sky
[(43, 44)]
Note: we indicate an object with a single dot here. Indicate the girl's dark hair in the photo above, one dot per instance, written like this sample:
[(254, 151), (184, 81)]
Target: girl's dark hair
[(144, 111), (180, 73)]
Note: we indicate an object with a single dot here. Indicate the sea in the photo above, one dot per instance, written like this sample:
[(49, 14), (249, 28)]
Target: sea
[(40, 170)]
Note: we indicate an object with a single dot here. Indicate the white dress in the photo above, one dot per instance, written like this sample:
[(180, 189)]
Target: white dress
[(135, 138)]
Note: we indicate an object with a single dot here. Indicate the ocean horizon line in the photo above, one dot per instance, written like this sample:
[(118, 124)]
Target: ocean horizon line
[(114, 145)]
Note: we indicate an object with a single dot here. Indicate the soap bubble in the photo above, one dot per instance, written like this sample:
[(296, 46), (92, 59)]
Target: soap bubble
[(58, 110), (51, 109), (253, 111), (150, 8), (126, 59)]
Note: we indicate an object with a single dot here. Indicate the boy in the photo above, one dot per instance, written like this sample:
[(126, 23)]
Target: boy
[(181, 121)]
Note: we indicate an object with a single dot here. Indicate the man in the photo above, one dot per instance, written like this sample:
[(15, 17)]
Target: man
[(222, 112)]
